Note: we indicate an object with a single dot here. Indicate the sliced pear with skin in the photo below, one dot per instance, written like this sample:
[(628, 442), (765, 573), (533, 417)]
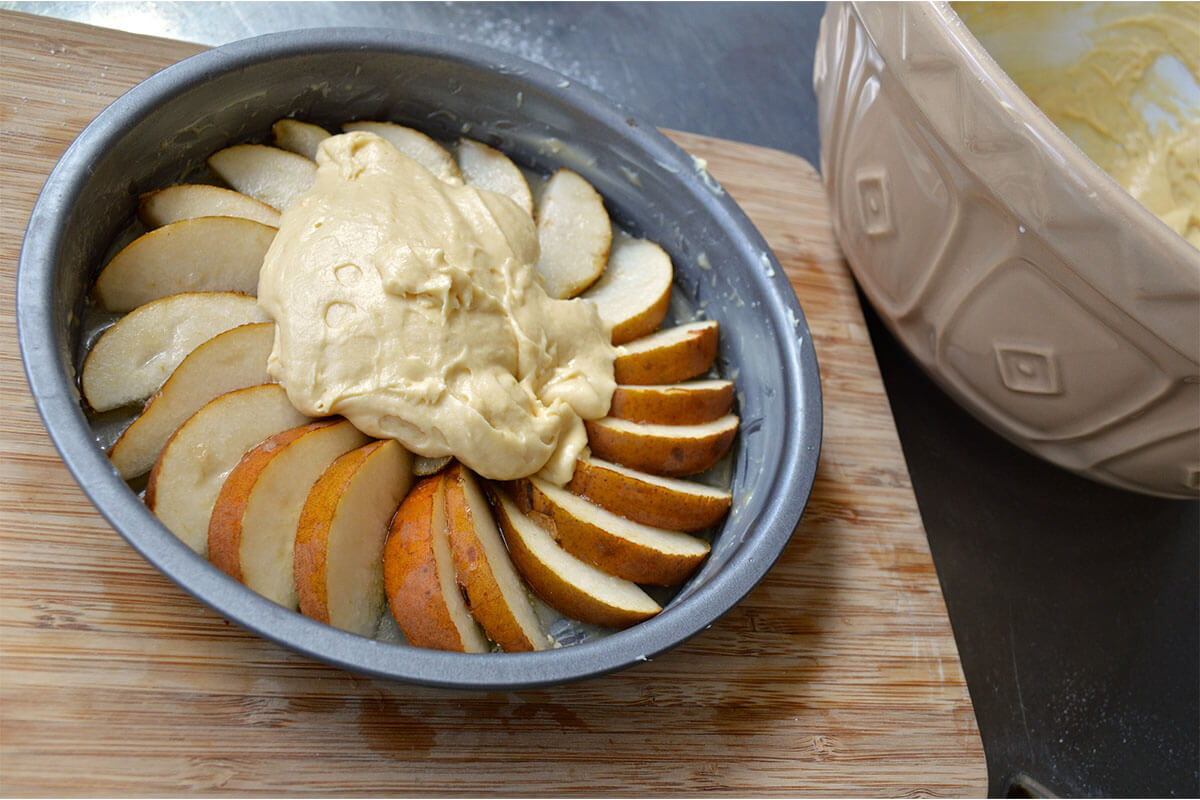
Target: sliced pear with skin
[(269, 174), (252, 530), (189, 473), (652, 500), (574, 233), (634, 293), (568, 585), (296, 136), (488, 168), (688, 403), (231, 360), (669, 356), (190, 200), (133, 358), (618, 546), (490, 583), (204, 254), (419, 578), (414, 144), (672, 450), (427, 465), (342, 532)]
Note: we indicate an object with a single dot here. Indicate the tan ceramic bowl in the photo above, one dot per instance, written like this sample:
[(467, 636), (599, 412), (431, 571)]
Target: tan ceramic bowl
[(1023, 278)]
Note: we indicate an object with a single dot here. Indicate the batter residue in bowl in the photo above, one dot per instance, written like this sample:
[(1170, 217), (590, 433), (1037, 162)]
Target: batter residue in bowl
[(1122, 80)]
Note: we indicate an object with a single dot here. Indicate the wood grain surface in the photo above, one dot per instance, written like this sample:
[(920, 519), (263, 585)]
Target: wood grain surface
[(838, 675)]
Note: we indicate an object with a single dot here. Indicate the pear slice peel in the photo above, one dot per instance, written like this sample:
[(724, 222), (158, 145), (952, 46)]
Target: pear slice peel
[(574, 233), (633, 294), (670, 450), (299, 137), (685, 403), (419, 575), (189, 473), (269, 174), (570, 586), (618, 546), (190, 200), (488, 168), (669, 356), (133, 358), (489, 580), (202, 254), (231, 360), (414, 144), (660, 502), (341, 536)]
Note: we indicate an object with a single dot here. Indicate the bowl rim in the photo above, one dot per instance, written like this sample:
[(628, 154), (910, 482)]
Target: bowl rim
[(58, 404)]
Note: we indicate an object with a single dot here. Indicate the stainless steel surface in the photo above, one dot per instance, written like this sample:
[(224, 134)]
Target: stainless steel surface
[(718, 54)]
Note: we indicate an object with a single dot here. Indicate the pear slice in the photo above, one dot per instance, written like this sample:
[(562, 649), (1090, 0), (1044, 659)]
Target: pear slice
[(133, 358), (268, 174), (568, 585), (427, 465), (669, 356), (341, 535), (231, 360), (301, 138), (634, 293), (688, 403), (493, 590), (204, 254), (616, 545), (189, 473), (672, 450), (252, 530), (414, 144), (418, 575), (488, 168), (189, 200), (652, 500), (574, 233)]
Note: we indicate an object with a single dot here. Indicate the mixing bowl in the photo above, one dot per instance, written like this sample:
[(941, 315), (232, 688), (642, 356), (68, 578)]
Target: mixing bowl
[(165, 127), (1025, 280)]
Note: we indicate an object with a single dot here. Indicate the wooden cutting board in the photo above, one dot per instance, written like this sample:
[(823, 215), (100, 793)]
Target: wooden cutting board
[(838, 675)]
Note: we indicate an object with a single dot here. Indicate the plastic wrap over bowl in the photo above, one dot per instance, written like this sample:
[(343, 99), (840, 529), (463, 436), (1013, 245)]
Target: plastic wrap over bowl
[(1024, 279)]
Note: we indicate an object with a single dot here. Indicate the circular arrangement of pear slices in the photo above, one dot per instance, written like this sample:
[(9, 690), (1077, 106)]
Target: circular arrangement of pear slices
[(318, 517)]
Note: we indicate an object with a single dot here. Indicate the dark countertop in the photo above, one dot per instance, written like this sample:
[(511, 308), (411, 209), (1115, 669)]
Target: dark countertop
[(1075, 607)]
